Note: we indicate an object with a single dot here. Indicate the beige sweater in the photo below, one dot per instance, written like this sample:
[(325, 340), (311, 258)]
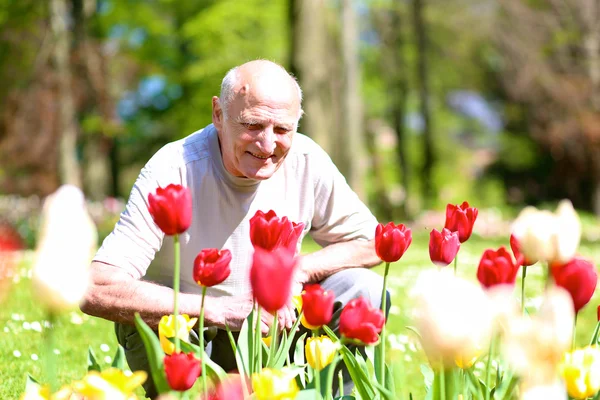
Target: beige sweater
[(306, 188)]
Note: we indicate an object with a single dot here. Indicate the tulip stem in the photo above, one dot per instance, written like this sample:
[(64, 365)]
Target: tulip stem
[(202, 345), (443, 383), (574, 332), (488, 368), (50, 358), (317, 372), (176, 291), (330, 374), (258, 341), (382, 335), (524, 275), (340, 377), (273, 346), (455, 264)]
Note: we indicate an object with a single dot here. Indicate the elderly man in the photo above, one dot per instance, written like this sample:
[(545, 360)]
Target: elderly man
[(243, 162)]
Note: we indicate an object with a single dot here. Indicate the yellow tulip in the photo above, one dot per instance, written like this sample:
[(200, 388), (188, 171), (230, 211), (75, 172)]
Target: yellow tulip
[(272, 384), (581, 371), (267, 341), (166, 329), (43, 393), (110, 384), (320, 352), (297, 300), (466, 360)]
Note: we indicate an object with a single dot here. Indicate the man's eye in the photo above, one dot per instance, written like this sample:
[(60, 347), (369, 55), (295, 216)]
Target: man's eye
[(282, 131), (253, 127)]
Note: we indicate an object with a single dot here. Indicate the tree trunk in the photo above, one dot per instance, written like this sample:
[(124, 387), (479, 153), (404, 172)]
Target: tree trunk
[(69, 169), (394, 70), (381, 200), (309, 61), (424, 102), (591, 12), (351, 139)]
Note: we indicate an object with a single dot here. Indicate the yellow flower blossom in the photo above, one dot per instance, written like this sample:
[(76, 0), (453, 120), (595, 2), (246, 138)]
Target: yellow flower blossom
[(272, 384), (110, 384), (581, 371), (320, 352), (166, 329)]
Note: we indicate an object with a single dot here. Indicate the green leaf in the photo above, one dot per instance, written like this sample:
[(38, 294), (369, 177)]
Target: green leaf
[(119, 359), (389, 379), (245, 346), (414, 330), (299, 357), (428, 375), (345, 397), (308, 394), (284, 347), (377, 361), (155, 354), (331, 334), (92, 361), (362, 384)]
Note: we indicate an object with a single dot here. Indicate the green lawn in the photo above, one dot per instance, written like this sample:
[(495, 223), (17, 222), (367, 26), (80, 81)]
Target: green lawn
[(23, 321)]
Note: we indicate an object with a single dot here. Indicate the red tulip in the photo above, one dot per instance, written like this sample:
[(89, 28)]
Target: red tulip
[(317, 305), (271, 277), (598, 314), (443, 246), (211, 267), (360, 321), (514, 245), (497, 267), (268, 231), (461, 219), (391, 241), (229, 389), (579, 278), (171, 208), (182, 370)]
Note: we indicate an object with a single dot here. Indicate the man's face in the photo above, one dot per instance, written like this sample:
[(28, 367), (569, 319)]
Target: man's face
[(257, 134)]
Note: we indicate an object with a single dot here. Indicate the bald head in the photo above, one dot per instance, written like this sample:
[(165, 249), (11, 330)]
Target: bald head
[(260, 79)]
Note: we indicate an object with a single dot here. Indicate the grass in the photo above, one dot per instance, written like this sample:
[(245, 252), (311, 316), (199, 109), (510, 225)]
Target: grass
[(23, 322)]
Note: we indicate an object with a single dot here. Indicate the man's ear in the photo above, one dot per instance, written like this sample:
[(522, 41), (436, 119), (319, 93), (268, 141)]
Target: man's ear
[(217, 113)]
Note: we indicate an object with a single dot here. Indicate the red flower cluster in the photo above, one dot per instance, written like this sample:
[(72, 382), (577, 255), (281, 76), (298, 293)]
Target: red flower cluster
[(273, 263), (182, 370), (171, 209), (317, 305), (391, 241)]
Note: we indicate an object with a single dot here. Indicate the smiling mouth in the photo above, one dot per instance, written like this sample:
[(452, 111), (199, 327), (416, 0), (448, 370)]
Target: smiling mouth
[(259, 156)]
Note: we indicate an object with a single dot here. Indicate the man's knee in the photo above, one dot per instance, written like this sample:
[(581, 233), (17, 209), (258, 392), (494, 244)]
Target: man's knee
[(357, 282)]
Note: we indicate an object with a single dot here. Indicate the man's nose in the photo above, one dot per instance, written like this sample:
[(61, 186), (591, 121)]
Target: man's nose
[(267, 140)]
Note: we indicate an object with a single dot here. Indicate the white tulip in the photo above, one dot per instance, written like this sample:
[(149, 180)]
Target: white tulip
[(546, 236), (453, 316), (66, 243), (534, 345)]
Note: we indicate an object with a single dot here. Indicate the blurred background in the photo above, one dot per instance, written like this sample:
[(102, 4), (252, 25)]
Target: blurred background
[(419, 102)]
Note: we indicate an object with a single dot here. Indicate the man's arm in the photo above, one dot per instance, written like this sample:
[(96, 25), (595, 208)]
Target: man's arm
[(337, 257), (115, 295)]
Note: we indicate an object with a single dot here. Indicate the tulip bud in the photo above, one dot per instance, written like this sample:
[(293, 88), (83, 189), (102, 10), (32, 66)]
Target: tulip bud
[(271, 276), (171, 208), (579, 278), (461, 219), (391, 241), (497, 268), (166, 329), (453, 316), (274, 384), (211, 267), (320, 352), (521, 259), (443, 247), (549, 237), (268, 231), (361, 322), (317, 305), (182, 370)]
